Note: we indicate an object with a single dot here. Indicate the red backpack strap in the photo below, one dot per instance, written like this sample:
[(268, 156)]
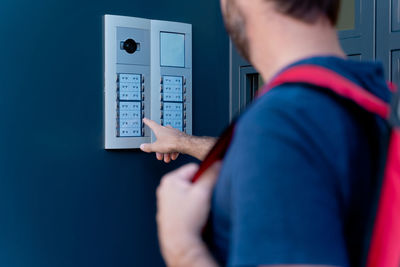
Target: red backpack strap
[(325, 78), (217, 152), (385, 243), (384, 249)]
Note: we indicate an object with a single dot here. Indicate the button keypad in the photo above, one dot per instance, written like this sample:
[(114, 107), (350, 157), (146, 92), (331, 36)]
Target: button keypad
[(130, 105), (173, 99)]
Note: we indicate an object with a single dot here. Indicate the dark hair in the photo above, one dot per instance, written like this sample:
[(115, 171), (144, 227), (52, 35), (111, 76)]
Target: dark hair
[(309, 10)]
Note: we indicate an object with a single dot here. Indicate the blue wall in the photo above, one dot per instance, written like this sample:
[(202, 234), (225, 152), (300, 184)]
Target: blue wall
[(64, 201)]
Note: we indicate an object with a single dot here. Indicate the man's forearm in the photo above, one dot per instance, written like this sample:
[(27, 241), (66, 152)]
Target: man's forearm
[(170, 140), (201, 257), (196, 256), (194, 146)]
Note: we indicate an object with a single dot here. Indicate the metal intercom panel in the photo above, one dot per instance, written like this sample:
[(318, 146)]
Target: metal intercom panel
[(148, 73)]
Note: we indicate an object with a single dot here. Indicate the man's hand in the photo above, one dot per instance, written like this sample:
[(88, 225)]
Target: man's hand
[(166, 146), (170, 142), (182, 212)]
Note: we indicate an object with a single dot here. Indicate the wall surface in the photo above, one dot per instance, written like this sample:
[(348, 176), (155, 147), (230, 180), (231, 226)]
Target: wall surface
[(64, 201)]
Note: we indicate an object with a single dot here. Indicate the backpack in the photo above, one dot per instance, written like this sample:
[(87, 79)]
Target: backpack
[(384, 247)]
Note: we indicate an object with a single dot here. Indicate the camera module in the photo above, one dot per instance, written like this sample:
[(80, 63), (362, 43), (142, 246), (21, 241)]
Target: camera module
[(130, 46)]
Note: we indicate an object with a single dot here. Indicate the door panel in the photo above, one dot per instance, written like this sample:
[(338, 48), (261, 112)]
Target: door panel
[(347, 20), (360, 39), (395, 16), (395, 75), (248, 79), (388, 36), (356, 57)]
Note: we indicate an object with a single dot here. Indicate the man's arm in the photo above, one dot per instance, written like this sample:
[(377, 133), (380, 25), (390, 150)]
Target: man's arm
[(170, 142), (194, 255), (182, 212), (196, 146)]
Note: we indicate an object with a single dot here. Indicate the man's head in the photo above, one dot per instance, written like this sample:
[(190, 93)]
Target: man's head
[(306, 11)]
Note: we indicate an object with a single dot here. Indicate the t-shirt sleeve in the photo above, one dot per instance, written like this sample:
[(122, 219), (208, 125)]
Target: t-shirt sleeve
[(286, 199)]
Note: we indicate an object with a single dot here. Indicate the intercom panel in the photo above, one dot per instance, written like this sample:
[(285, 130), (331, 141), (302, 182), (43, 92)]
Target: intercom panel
[(148, 73)]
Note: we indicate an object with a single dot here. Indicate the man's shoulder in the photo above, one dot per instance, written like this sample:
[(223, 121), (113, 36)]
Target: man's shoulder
[(299, 102), (303, 120)]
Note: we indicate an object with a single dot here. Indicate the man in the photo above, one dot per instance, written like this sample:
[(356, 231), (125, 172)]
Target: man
[(297, 182)]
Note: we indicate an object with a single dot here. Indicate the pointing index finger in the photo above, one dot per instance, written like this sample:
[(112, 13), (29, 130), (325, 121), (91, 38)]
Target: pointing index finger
[(152, 124)]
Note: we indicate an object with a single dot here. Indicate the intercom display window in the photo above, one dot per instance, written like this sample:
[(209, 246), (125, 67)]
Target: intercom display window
[(173, 115), (130, 106), (173, 88), (172, 49)]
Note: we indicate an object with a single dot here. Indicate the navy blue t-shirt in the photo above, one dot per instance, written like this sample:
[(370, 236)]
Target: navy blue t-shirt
[(298, 181)]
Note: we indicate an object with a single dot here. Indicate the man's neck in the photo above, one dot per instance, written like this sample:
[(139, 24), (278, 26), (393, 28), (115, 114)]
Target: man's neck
[(289, 41)]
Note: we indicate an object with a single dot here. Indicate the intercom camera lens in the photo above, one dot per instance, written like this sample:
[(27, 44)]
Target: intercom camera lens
[(130, 46)]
